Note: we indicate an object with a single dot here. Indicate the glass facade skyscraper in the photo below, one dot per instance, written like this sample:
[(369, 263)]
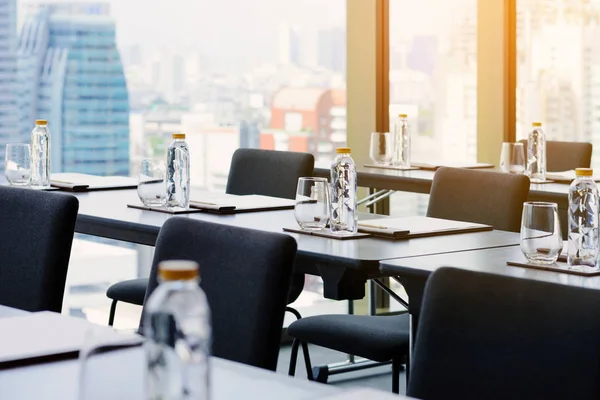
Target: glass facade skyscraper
[(8, 75), (70, 73)]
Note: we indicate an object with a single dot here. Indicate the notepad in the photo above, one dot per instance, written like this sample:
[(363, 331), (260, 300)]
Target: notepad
[(395, 228), (436, 166), (245, 203), (83, 182), (47, 336)]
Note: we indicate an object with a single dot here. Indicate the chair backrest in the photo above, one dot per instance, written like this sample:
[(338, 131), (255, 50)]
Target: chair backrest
[(484, 336), (563, 156), (483, 197), (268, 172), (36, 234), (246, 276)]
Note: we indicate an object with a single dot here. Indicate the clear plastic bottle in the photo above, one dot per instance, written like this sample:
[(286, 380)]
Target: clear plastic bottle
[(40, 154), (536, 153), (178, 172), (178, 335), (584, 247), (344, 207), (401, 156)]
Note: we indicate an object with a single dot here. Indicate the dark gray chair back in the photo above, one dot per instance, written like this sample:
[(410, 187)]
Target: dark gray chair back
[(268, 172), (483, 197), (246, 277), (563, 156), (36, 234), (484, 336)]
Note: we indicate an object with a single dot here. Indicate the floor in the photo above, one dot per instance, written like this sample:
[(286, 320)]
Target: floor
[(378, 377)]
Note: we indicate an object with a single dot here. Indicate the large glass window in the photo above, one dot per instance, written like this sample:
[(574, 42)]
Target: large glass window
[(558, 69), (116, 78), (433, 79)]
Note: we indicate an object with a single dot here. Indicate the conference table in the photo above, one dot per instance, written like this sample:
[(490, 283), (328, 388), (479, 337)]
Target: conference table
[(419, 181), (344, 265), (120, 375), (413, 272)]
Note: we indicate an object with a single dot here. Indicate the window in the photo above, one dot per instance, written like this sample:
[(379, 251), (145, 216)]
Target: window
[(115, 79), (433, 79), (558, 70), (433, 76)]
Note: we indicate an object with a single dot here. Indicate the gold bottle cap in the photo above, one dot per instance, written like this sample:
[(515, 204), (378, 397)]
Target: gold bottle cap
[(179, 136), (403, 115), (536, 124), (176, 270), (342, 150), (584, 172), (41, 122)]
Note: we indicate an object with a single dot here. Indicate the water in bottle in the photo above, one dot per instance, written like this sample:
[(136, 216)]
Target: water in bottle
[(536, 154), (178, 335), (583, 248), (178, 172), (344, 207), (40, 154), (401, 156)]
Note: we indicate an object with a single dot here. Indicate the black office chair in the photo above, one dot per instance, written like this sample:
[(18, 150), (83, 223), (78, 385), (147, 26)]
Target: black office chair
[(459, 194), (483, 197), (245, 274), (564, 156), (252, 171), (484, 336), (35, 246)]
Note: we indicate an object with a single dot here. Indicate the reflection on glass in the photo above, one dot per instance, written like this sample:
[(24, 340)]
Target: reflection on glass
[(312, 203), (17, 164), (541, 237)]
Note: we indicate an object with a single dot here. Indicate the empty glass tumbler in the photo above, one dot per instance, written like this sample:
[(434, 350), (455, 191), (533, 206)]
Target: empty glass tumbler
[(152, 184), (541, 237), (512, 158), (17, 164), (381, 149), (312, 203)]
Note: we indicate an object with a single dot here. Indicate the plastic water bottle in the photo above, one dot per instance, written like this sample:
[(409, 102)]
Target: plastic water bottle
[(40, 154), (584, 247), (344, 207), (178, 172), (178, 335), (401, 156), (536, 154)]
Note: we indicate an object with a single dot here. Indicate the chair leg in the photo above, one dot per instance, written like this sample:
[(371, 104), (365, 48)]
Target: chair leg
[(396, 367), (293, 358), (111, 316), (307, 363), (293, 311)]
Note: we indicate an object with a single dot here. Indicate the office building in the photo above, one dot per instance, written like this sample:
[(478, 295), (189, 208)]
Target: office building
[(70, 73), (332, 49), (8, 75)]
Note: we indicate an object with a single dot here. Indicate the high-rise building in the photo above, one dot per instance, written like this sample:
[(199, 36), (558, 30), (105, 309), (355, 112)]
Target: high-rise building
[(332, 49), (289, 45), (9, 131), (70, 73)]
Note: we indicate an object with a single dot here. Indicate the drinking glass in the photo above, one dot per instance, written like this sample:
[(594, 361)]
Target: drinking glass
[(541, 238), (382, 148), (17, 164), (152, 184), (512, 158), (312, 203), (101, 357)]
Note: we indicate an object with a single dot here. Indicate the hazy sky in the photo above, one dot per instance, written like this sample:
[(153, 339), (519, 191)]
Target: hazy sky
[(218, 25)]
